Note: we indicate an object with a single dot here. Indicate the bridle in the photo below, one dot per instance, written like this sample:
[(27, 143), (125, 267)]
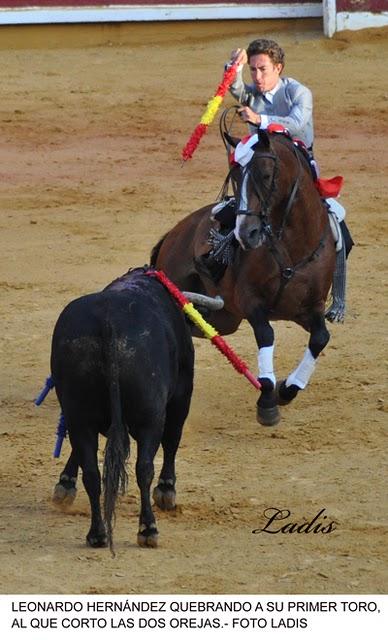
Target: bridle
[(265, 199), (272, 238)]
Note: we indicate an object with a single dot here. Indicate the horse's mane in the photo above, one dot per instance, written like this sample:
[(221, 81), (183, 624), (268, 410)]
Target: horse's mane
[(288, 142), (156, 249)]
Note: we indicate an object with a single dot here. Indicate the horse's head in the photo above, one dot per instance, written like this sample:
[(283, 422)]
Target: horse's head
[(255, 173)]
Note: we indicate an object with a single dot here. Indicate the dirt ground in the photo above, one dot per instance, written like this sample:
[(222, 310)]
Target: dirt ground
[(91, 177)]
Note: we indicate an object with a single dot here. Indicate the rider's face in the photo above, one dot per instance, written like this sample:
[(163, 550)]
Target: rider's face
[(265, 74)]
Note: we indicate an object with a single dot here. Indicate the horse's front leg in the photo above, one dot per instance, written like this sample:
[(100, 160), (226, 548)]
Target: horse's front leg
[(299, 378), (267, 404)]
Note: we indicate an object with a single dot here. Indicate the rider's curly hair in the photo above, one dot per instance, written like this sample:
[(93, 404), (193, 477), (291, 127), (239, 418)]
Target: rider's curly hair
[(269, 47)]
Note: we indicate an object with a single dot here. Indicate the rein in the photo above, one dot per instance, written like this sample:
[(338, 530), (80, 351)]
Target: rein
[(265, 201), (287, 272), (273, 239), (292, 196)]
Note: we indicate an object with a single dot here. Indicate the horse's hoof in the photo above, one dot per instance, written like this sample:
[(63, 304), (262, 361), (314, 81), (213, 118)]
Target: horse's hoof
[(164, 497), (97, 541), (64, 496), (148, 537), (285, 395), (268, 416)]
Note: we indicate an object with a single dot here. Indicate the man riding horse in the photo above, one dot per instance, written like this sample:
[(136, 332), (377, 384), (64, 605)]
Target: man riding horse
[(269, 100), (272, 245)]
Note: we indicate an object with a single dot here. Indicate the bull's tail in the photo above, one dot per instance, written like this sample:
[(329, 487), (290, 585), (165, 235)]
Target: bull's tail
[(115, 475)]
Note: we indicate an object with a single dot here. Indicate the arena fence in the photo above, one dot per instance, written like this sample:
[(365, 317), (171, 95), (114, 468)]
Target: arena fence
[(60, 11), (337, 14)]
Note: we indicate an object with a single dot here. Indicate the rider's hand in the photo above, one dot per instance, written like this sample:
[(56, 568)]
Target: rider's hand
[(247, 115), (239, 56)]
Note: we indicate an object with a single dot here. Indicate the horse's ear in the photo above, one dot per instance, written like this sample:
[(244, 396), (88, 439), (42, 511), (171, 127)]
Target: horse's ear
[(264, 138), (232, 141)]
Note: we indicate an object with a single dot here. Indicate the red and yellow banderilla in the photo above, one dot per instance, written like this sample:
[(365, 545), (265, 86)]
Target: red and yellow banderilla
[(206, 328), (210, 112)]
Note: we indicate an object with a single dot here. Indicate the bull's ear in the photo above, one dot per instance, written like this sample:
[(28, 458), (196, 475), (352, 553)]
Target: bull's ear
[(232, 141)]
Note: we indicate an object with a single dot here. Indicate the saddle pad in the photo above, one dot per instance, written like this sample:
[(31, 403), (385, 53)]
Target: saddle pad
[(336, 230)]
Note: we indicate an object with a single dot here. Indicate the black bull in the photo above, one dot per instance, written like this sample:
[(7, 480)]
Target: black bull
[(122, 363)]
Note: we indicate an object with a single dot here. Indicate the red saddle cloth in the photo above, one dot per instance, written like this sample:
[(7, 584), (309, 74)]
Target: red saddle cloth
[(329, 188)]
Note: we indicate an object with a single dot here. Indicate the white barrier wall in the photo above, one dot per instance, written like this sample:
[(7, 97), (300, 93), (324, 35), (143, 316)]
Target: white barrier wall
[(339, 15), (76, 11)]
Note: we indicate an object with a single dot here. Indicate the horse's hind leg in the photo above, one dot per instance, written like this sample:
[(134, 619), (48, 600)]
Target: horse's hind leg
[(299, 378), (267, 405)]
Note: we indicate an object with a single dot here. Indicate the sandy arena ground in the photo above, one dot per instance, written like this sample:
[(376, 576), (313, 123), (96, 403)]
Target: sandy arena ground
[(91, 177)]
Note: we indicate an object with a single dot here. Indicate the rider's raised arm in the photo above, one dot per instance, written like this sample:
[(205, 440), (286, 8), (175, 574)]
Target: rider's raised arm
[(240, 90)]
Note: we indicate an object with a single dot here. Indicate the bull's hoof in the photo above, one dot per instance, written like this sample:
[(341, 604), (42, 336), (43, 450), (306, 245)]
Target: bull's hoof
[(268, 416), (64, 496), (97, 540), (164, 496), (285, 395), (148, 536)]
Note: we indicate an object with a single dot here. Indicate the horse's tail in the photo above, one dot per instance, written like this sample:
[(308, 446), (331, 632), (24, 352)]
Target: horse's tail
[(156, 249), (115, 477)]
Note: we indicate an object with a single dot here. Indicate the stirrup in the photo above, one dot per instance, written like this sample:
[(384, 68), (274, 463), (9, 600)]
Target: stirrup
[(208, 266), (336, 311)]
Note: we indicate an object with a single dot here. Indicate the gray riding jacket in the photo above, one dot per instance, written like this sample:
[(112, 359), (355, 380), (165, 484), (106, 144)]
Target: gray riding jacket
[(289, 103)]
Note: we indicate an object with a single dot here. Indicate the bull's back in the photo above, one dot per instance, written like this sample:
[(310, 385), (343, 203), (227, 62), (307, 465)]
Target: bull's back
[(140, 336)]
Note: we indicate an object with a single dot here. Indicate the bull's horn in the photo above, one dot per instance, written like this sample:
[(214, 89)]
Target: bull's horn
[(214, 304)]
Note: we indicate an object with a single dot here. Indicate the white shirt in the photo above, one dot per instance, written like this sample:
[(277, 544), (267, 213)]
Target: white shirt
[(268, 95)]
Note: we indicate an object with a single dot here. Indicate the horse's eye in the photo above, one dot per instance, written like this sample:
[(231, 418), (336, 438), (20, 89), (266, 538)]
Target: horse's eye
[(266, 177)]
